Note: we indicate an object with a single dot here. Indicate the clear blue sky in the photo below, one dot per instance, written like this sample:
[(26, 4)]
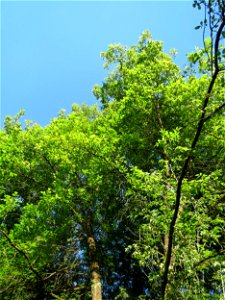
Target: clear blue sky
[(50, 50)]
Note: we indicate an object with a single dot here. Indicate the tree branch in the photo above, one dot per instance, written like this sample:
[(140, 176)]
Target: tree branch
[(201, 122), (216, 111), (218, 35), (23, 253)]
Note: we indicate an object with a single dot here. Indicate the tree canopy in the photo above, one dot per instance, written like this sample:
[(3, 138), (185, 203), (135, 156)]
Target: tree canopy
[(125, 201)]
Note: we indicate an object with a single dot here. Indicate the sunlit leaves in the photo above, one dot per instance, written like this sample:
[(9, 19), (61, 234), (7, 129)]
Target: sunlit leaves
[(119, 166)]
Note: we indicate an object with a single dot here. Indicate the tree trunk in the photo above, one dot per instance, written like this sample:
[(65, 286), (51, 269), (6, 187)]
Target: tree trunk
[(96, 287)]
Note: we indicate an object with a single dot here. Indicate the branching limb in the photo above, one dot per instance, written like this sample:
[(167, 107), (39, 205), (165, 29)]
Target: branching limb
[(184, 170), (23, 253), (216, 111)]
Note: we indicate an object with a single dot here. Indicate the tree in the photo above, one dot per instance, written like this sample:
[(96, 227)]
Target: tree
[(126, 202), (175, 149), (59, 185)]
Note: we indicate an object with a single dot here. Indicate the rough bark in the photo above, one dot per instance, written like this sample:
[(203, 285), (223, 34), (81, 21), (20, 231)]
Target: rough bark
[(96, 287)]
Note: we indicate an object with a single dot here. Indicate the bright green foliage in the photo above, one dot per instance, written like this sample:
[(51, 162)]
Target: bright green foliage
[(158, 117), (119, 168)]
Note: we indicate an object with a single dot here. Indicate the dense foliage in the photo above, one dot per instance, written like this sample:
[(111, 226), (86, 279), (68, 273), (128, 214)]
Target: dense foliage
[(87, 203)]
